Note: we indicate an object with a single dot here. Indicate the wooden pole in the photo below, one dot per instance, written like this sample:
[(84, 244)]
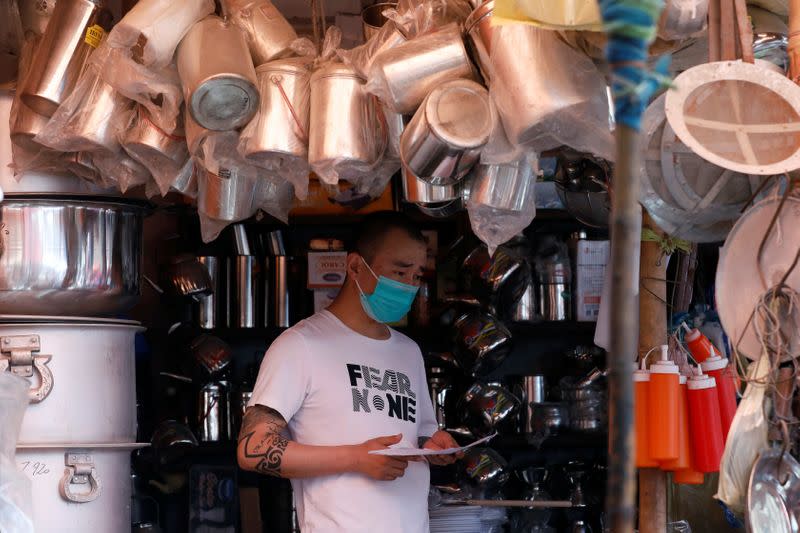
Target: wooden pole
[(794, 40), (652, 332), (625, 227)]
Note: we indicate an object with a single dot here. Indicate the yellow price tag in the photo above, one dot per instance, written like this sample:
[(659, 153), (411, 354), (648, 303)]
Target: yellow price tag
[(94, 34)]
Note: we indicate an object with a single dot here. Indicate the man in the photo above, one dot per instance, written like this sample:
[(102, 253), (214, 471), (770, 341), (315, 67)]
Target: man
[(340, 384)]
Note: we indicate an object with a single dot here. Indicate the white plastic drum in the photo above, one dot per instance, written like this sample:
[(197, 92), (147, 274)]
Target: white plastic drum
[(83, 383), (79, 489)]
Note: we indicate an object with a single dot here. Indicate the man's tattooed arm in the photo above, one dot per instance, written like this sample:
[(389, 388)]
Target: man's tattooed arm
[(261, 446)]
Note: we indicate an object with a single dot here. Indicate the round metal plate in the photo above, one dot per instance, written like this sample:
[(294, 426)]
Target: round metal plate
[(769, 495), (711, 111)]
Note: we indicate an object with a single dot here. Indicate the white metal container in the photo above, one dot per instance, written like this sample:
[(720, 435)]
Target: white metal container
[(79, 488), (82, 377)]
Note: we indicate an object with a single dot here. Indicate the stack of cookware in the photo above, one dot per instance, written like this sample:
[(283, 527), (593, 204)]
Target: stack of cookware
[(70, 263)]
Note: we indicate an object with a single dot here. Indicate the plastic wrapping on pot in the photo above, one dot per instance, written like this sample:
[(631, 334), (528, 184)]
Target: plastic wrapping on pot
[(402, 77), (15, 487), (361, 57), (152, 29), (89, 118), (418, 18), (274, 196), (120, 170), (269, 35), (24, 122), (496, 225), (567, 106), (159, 90)]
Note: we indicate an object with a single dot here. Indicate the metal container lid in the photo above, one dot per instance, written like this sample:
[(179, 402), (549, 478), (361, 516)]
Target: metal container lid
[(44, 320), (224, 102), (478, 14), (460, 113), (292, 65), (336, 70)]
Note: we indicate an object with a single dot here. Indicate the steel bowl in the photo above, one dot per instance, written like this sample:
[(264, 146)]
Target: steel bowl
[(73, 257)]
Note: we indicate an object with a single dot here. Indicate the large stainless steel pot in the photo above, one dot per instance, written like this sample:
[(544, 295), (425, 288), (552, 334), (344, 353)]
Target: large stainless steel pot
[(67, 256), (269, 34), (61, 55), (444, 139), (82, 377), (79, 488), (217, 75)]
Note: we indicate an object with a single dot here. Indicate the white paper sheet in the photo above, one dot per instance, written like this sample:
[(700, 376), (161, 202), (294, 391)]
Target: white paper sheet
[(407, 452)]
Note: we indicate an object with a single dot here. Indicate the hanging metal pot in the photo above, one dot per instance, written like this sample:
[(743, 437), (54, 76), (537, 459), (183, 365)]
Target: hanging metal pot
[(269, 34), (146, 141), (482, 342), (372, 18), (479, 28), (226, 196), (489, 408), (499, 280), (506, 187)]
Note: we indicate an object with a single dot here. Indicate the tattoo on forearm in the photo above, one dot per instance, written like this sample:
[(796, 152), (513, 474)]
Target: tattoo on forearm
[(268, 448)]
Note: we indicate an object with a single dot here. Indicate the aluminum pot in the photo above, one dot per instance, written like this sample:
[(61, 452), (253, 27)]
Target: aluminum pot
[(76, 257), (82, 377), (61, 56), (226, 196), (269, 34), (79, 487), (490, 407), (412, 70), (27, 125), (482, 342), (499, 280), (444, 139), (147, 142), (438, 201), (372, 18), (506, 187), (282, 119), (344, 121), (478, 27), (217, 75)]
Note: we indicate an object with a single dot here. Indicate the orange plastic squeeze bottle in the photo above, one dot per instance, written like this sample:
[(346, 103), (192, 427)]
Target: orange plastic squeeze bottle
[(683, 462), (720, 369), (688, 477), (664, 402), (704, 423), (698, 344), (641, 397)]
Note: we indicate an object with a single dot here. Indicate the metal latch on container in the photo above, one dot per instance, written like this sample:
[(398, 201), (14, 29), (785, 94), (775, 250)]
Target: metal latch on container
[(80, 471), (17, 356)]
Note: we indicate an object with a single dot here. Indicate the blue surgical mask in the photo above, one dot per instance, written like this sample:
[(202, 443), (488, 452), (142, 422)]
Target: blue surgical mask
[(390, 301)]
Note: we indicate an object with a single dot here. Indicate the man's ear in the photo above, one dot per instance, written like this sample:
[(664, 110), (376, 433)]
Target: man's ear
[(354, 264)]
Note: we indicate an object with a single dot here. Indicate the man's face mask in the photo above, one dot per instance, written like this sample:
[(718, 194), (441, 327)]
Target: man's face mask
[(390, 301)]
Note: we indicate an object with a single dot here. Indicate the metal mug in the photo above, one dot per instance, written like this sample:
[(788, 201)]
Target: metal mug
[(61, 55), (507, 187), (444, 139), (535, 388), (280, 291), (246, 287), (482, 342), (500, 279), (412, 70), (217, 75), (269, 34), (344, 121), (555, 301), (226, 196), (146, 141), (214, 413), (372, 18), (478, 27), (490, 407), (281, 125), (207, 316)]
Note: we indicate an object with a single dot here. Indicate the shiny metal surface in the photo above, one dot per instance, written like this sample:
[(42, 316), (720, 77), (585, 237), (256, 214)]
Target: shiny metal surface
[(146, 142), (60, 57), (771, 504), (527, 309), (489, 408), (207, 316), (344, 124), (554, 301), (499, 280), (97, 124), (478, 27), (372, 18), (228, 196), (503, 187), (281, 122), (186, 276), (213, 411), (486, 468), (27, 125), (420, 191), (211, 353), (68, 256), (268, 32), (36, 15), (246, 287), (217, 75), (482, 342), (535, 388), (280, 292), (549, 417), (772, 47), (444, 139), (413, 69)]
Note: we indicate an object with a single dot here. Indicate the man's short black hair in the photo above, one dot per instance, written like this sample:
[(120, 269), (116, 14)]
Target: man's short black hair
[(372, 231)]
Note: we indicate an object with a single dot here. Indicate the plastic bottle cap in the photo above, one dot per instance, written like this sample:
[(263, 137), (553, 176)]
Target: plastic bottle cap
[(715, 362), (664, 366), (691, 334), (701, 381)]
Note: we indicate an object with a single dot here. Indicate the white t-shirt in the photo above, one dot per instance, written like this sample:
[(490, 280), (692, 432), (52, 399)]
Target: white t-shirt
[(335, 387)]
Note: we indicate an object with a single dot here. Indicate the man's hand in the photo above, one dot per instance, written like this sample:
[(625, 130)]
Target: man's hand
[(442, 440), (380, 467)]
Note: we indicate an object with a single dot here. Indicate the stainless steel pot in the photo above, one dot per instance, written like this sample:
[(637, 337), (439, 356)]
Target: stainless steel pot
[(269, 34), (437, 201), (499, 280), (79, 487), (214, 413), (372, 18), (486, 468), (217, 75), (478, 27), (482, 343), (76, 257), (344, 126), (282, 120), (148, 143), (489, 408), (505, 187), (444, 139), (60, 57), (227, 196), (27, 125), (412, 70), (82, 377)]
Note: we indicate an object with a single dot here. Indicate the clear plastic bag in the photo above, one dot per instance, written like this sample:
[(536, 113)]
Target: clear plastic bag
[(158, 89), (567, 106), (361, 57), (747, 437), (15, 487), (418, 18), (274, 196), (120, 170), (89, 119), (152, 29)]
